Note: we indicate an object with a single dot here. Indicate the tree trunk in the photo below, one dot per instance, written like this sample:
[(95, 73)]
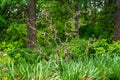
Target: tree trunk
[(95, 14), (117, 21), (77, 24), (85, 9), (31, 22)]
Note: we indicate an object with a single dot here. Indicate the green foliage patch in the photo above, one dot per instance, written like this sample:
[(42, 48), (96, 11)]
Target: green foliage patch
[(97, 68)]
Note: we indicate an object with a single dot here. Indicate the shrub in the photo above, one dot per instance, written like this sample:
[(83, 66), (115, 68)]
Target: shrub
[(78, 48), (102, 47), (99, 47)]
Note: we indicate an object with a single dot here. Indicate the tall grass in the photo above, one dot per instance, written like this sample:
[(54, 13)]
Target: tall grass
[(93, 68)]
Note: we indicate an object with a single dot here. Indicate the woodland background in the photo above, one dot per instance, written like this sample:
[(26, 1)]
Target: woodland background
[(59, 39)]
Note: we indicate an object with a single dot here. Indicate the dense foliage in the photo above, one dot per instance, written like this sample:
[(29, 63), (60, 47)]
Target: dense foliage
[(74, 41)]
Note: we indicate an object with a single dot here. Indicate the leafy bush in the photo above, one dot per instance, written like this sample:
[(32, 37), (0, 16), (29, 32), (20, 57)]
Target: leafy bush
[(102, 47), (78, 48), (16, 32), (21, 55), (91, 30), (8, 46), (114, 49), (72, 49), (99, 47), (81, 48), (13, 38)]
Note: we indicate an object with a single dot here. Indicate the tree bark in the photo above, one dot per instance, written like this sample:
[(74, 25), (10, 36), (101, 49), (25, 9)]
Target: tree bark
[(117, 21), (85, 9), (77, 24), (31, 24), (95, 13)]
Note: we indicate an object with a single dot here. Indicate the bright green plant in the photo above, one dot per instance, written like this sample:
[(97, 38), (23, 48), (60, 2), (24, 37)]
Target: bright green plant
[(4, 60), (78, 48), (99, 47), (8, 46), (114, 49), (102, 47), (95, 68)]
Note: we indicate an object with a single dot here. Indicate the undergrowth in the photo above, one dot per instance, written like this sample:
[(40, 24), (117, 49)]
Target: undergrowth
[(93, 68)]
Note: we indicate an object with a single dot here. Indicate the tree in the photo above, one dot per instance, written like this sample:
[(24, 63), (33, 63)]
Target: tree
[(117, 21), (77, 24), (31, 22)]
